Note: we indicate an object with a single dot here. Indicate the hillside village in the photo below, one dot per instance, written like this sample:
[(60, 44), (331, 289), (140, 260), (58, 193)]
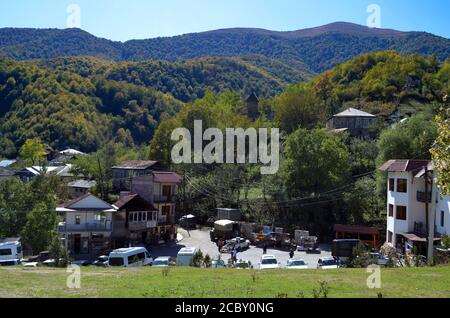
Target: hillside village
[(143, 203), (87, 175)]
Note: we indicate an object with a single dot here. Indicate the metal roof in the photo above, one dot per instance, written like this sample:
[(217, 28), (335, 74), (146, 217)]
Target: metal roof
[(352, 112), (404, 165), (135, 164)]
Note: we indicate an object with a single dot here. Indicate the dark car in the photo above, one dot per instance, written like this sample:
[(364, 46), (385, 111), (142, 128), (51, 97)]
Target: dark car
[(42, 257), (101, 261)]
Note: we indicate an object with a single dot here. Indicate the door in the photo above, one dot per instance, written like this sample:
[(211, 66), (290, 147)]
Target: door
[(77, 243), (144, 237)]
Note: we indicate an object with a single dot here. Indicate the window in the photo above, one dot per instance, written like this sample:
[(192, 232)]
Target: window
[(77, 219), (391, 210), (401, 212), (5, 252), (167, 191), (135, 217), (390, 236), (402, 185), (97, 217), (140, 216), (165, 210), (442, 218), (130, 217), (391, 184), (144, 216)]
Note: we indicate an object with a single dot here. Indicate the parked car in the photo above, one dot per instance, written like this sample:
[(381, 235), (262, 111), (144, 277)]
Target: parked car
[(241, 264), (101, 261), (268, 262), (30, 264), (296, 264), (130, 257), (327, 263), (377, 258), (218, 264), (162, 262), (50, 262), (239, 243), (42, 257)]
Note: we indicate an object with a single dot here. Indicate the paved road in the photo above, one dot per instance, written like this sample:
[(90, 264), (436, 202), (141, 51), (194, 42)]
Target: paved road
[(200, 239)]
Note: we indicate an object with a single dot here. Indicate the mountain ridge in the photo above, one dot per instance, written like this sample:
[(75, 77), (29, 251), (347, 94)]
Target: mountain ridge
[(313, 50)]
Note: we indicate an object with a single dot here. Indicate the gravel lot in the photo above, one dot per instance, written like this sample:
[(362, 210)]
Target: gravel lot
[(200, 239)]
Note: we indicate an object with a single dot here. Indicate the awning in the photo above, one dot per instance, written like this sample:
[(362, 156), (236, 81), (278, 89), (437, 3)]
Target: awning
[(416, 238)]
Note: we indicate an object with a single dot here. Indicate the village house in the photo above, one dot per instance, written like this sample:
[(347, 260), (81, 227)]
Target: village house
[(356, 122), (136, 221), (124, 172), (159, 189), (26, 174), (65, 156), (80, 187), (7, 163), (87, 225), (411, 191)]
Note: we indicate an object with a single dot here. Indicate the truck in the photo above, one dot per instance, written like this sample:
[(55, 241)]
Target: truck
[(343, 249), (306, 242), (11, 253), (185, 256), (224, 229)]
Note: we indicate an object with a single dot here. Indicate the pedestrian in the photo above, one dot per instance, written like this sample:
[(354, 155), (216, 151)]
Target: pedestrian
[(265, 249), (234, 256), (291, 253)]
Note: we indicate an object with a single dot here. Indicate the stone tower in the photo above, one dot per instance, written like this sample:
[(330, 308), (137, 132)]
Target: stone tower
[(252, 105)]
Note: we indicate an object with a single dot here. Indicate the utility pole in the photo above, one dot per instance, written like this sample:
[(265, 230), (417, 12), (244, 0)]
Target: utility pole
[(430, 220)]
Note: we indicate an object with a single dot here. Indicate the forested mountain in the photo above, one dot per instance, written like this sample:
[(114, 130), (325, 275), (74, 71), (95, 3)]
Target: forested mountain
[(83, 102), (310, 50)]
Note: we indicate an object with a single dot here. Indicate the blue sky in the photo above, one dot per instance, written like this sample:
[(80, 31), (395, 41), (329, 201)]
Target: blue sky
[(137, 19)]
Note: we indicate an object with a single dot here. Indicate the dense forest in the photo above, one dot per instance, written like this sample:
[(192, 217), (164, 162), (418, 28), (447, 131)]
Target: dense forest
[(83, 102), (308, 51)]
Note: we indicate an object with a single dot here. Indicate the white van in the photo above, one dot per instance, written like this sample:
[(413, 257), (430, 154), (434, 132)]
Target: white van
[(130, 257), (11, 253), (185, 256)]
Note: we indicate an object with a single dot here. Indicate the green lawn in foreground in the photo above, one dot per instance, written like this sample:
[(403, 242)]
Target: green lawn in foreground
[(223, 283)]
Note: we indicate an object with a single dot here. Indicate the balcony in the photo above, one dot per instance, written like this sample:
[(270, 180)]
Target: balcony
[(164, 199), (422, 196), (85, 227), (143, 225)]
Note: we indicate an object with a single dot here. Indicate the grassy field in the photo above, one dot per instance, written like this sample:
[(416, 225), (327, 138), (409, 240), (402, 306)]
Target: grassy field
[(190, 282)]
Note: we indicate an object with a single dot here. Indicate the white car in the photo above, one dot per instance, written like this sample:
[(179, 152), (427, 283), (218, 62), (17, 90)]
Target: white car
[(327, 263), (218, 264), (269, 262), (161, 262), (30, 264), (296, 264), (130, 257)]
